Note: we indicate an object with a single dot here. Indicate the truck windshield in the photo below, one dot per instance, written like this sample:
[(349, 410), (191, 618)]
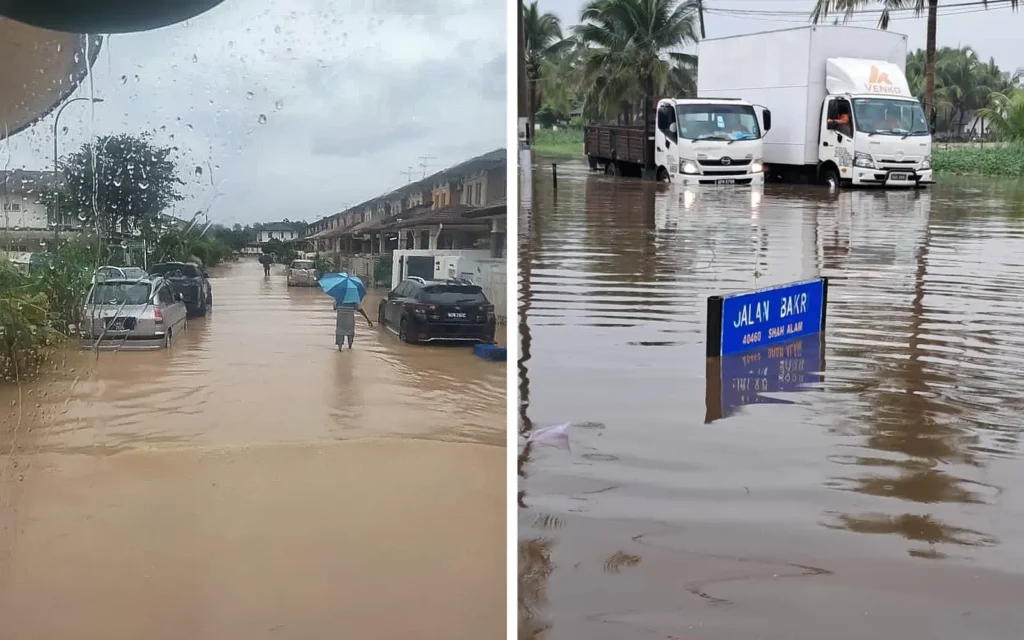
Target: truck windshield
[(889, 117), (717, 122)]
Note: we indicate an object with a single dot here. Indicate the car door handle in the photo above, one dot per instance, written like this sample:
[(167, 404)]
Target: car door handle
[(824, 144)]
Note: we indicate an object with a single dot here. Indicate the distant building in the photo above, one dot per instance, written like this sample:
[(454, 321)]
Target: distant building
[(21, 205), (276, 231)]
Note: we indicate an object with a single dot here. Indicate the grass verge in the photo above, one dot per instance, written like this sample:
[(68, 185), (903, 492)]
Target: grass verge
[(1004, 161), (564, 143)]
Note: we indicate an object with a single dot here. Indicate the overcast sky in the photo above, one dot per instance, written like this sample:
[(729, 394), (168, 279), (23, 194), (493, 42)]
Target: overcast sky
[(995, 33), (302, 107)]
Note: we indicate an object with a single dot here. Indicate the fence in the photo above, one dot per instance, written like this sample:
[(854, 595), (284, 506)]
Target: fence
[(375, 271)]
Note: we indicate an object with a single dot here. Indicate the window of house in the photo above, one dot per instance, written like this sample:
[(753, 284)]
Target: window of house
[(12, 206)]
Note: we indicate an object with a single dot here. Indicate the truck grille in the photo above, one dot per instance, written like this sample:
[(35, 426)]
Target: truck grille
[(734, 162), (717, 174)]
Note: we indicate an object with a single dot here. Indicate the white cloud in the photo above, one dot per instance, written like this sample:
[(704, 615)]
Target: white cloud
[(299, 107)]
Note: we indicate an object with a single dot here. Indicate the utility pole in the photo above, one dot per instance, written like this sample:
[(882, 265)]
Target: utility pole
[(425, 162), (408, 174), (700, 14)]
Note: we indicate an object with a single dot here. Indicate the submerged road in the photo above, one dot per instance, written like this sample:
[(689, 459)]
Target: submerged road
[(253, 482), (870, 486)]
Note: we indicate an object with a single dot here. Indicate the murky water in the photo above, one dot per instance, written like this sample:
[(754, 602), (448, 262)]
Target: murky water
[(698, 500), (254, 482)]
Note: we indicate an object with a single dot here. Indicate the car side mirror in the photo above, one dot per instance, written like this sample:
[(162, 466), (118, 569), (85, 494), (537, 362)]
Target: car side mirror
[(767, 116), (178, 297)]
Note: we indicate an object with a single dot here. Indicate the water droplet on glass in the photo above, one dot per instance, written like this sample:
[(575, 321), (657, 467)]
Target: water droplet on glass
[(250, 95), (262, 119), (78, 57), (279, 105), (189, 126), (195, 58), (143, 185), (81, 217), (63, 130), (277, 29), (117, 182), (124, 244)]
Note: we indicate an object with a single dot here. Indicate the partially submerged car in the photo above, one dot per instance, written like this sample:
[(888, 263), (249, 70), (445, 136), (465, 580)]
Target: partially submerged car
[(302, 273), (132, 314), (188, 279), (107, 272), (419, 310)]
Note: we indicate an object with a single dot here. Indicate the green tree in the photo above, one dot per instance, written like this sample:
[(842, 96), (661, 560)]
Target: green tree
[(822, 8), (1006, 116), (120, 183), (543, 41), (632, 50)]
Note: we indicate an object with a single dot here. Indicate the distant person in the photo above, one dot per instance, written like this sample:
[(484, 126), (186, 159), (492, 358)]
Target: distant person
[(345, 323), (266, 260)]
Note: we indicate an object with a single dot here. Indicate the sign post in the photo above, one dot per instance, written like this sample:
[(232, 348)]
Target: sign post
[(754, 319)]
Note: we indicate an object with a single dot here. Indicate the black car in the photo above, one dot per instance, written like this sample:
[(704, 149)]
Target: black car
[(421, 310), (190, 281)]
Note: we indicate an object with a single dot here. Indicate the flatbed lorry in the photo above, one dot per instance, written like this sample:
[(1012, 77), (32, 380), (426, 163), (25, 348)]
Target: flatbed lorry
[(697, 141)]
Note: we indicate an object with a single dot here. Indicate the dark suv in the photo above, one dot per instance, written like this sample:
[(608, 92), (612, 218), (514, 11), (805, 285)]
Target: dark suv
[(190, 281), (421, 310)]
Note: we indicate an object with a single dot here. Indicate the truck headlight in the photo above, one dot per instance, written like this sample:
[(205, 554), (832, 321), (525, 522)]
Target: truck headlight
[(756, 166), (927, 163), (863, 160), (689, 167)]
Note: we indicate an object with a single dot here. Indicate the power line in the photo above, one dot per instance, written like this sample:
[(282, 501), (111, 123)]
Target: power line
[(425, 162), (857, 15)]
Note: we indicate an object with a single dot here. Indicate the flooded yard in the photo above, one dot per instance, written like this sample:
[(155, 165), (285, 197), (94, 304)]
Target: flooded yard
[(866, 485), (254, 482)]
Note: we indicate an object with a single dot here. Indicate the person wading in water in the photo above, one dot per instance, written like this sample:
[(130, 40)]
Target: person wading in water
[(266, 260), (345, 323)]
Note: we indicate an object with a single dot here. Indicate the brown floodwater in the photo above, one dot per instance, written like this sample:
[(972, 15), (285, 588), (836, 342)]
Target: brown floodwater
[(254, 482), (866, 485)]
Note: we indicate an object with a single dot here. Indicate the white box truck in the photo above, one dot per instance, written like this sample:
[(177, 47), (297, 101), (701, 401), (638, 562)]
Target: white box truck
[(697, 141), (842, 110)]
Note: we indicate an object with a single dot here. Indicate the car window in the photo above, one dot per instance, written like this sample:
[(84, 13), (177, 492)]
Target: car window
[(453, 294), (131, 293), (176, 270), (165, 296), (302, 264), (403, 289)]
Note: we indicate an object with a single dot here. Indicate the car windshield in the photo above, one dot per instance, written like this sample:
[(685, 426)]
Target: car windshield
[(302, 264), (717, 122), (175, 270), (889, 117), (133, 273), (453, 294), (118, 293)]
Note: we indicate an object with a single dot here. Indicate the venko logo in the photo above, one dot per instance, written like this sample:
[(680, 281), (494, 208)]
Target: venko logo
[(879, 82)]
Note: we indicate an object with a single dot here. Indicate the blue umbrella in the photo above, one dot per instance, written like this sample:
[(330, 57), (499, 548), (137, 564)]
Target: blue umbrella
[(345, 289)]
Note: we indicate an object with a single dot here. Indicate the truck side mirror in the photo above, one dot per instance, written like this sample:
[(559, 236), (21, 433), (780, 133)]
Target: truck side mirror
[(767, 115)]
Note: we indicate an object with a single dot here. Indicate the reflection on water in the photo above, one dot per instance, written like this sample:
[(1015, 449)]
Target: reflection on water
[(901, 423)]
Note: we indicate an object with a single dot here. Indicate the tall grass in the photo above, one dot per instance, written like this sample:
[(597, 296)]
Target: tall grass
[(1004, 160)]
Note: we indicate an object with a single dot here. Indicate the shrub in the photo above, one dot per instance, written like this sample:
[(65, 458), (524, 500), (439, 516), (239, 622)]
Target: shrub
[(24, 331), (1006, 160)]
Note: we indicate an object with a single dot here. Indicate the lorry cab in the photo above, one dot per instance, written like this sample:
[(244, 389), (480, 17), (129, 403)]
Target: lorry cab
[(872, 129), (710, 141)]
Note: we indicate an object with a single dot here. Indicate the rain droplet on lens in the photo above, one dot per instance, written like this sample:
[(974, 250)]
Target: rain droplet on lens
[(279, 105), (124, 79), (277, 29), (81, 217), (262, 119), (250, 95), (143, 185), (195, 58), (199, 170), (63, 130)]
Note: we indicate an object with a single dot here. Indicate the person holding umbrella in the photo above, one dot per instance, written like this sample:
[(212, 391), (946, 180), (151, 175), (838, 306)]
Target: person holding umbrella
[(348, 293)]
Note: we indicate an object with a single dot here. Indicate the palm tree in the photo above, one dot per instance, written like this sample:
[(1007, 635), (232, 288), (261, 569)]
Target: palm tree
[(542, 40), (630, 47), (850, 7), (1006, 117)]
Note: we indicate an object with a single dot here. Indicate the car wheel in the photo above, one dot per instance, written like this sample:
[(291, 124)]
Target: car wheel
[(201, 311), (403, 332), (167, 339), (381, 320)]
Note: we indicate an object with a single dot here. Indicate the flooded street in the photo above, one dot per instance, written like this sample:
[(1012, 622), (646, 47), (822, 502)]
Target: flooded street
[(757, 499), (253, 482)]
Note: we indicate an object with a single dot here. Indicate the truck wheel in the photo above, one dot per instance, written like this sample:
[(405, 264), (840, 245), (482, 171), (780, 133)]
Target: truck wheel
[(662, 174), (830, 177), (611, 169)]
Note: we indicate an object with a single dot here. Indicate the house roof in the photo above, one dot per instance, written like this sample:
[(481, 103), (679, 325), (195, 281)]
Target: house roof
[(497, 208), (24, 182), (444, 215), (485, 162), (278, 226)]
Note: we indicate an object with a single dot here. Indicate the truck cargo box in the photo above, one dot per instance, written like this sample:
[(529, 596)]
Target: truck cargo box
[(785, 71)]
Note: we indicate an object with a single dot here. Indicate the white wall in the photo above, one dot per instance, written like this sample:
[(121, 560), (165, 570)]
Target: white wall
[(477, 266), (22, 214), (267, 236)]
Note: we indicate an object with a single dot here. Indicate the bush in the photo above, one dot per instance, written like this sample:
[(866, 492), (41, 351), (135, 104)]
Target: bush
[(24, 331), (1006, 160), (558, 143)]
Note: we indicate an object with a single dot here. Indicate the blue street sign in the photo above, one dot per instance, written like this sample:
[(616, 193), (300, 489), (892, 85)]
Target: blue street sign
[(745, 321), (741, 379)]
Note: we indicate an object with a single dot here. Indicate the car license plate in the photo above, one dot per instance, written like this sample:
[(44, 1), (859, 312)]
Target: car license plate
[(899, 176), (726, 181), (456, 315), (115, 324)]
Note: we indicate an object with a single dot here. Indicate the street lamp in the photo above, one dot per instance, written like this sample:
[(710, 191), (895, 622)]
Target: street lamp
[(56, 204)]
